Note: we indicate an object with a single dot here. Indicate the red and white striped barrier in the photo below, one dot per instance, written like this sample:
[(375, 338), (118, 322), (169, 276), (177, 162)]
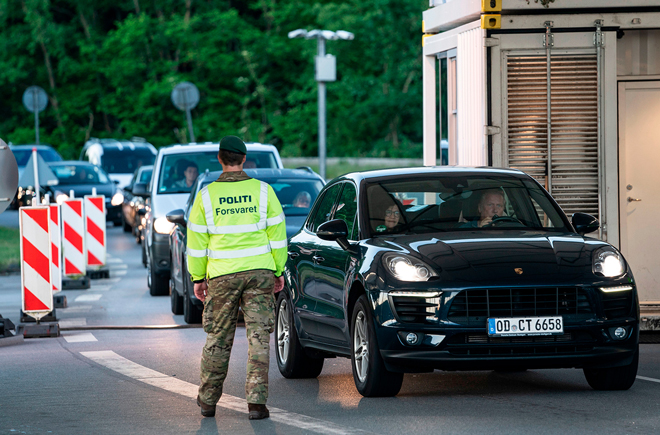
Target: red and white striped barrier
[(95, 234), (73, 235), (55, 229), (35, 261)]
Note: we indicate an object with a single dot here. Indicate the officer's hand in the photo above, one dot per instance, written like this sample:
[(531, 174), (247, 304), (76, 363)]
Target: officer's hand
[(279, 284), (200, 290)]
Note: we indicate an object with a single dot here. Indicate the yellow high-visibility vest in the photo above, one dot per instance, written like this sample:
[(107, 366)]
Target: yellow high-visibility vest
[(233, 227)]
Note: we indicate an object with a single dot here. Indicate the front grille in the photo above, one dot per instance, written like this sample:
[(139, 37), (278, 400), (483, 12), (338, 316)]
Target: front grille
[(568, 349), (617, 304), (473, 307), (415, 310), (483, 345)]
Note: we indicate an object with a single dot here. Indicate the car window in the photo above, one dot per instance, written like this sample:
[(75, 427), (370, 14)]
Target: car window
[(323, 212), (172, 177), (116, 161), (49, 155), (145, 176), (423, 204), (295, 195), (347, 205), (79, 174), (260, 159)]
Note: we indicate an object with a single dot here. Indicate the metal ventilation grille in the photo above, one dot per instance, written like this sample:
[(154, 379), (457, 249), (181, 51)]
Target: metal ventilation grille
[(573, 141)]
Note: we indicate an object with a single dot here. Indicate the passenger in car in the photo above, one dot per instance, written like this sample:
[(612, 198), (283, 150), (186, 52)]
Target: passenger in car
[(190, 174)]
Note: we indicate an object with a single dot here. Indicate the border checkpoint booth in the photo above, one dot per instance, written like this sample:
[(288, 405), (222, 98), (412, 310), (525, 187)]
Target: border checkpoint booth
[(567, 91)]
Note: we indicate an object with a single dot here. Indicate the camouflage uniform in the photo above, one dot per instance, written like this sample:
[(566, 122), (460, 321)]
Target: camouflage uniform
[(253, 290)]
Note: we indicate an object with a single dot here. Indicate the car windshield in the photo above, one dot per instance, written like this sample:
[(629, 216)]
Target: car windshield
[(178, 172), (79, 174), (295, 195), (125, 161), (423, 204), (49, 155)]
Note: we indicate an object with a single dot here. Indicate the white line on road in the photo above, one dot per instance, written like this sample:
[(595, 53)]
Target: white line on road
[(88, 298), (114, 260), (74, 321), (644, 378), (78, 337), (101, 288), (77, 309), (133, 370), (118, 272), (118, 266)]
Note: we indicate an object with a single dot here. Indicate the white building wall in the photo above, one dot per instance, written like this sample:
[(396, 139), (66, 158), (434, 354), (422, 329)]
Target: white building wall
[(471, 94)]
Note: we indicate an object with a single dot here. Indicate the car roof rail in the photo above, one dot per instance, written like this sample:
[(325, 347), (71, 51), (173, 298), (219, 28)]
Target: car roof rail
[(306, 168)]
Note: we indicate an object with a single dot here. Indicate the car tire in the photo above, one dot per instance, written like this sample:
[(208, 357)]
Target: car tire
[(191, 313), (158, 284), (117, 223), (292, 360), (176, 301), (371, 377), (127, 227), (615, 378)]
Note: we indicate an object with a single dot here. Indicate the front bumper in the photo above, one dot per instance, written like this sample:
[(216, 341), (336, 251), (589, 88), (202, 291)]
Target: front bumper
[(160, 252), (453, 337), (470, 349)]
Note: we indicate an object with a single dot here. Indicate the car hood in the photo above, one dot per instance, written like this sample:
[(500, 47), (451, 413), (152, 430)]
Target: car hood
[(81, 190), (165, 203), (494, 256)]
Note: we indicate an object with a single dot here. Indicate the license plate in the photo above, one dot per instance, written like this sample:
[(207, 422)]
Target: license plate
[(521, 326)]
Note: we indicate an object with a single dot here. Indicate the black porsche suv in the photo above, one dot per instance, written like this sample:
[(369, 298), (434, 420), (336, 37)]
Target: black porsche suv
[(411, 270)]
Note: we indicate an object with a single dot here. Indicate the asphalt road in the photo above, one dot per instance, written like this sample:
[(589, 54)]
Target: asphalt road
[(143, 381)]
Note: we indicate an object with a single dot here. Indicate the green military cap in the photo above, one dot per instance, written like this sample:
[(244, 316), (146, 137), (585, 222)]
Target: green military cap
[(234, 144)]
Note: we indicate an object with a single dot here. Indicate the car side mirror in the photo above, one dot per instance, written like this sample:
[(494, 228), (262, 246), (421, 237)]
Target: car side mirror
[(140, 189), (584, 223), (115, 181), (176, 217), (337, 231)]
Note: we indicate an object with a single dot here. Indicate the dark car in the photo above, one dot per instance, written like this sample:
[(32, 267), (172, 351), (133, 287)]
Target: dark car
[(131, 216), (82, 178), (410, 270), (22, 153), (290, 186), (119, 158)]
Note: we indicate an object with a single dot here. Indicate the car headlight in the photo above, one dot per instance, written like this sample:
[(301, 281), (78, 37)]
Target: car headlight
[(163, 226), (60, 197), (608, 263), (117, 198), (408, 269)]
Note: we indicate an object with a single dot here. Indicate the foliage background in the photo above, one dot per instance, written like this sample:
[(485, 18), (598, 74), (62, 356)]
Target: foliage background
[(109, 67)]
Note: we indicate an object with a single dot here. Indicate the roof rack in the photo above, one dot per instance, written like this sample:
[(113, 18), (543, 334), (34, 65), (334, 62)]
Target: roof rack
[(306, 168)]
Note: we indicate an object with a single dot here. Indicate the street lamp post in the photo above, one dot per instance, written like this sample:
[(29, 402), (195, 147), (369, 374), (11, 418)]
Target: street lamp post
[(326, 71)]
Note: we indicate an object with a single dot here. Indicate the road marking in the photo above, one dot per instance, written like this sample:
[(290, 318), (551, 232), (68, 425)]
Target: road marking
[(88, 298), (101, 288), (118, 266), (75, 321), (644, 378), (133, 370), (78, 337), (77, 309), (114, 260), (119, 272)]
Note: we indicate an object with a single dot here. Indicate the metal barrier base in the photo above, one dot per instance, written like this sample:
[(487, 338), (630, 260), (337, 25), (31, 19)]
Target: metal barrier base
[(50, 317), (59, 301), (82, 283), (103, 273), (38, 330)]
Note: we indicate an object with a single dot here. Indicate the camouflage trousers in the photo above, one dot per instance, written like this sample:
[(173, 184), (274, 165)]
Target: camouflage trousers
[(253, 290)]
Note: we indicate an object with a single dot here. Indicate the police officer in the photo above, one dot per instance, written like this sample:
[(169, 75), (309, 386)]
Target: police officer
[(236, 253)]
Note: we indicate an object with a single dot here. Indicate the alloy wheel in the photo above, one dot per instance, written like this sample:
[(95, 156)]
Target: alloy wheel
[(361, 346), (283, 332)]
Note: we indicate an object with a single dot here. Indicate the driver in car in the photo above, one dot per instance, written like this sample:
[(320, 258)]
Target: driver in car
[(491, 204)]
